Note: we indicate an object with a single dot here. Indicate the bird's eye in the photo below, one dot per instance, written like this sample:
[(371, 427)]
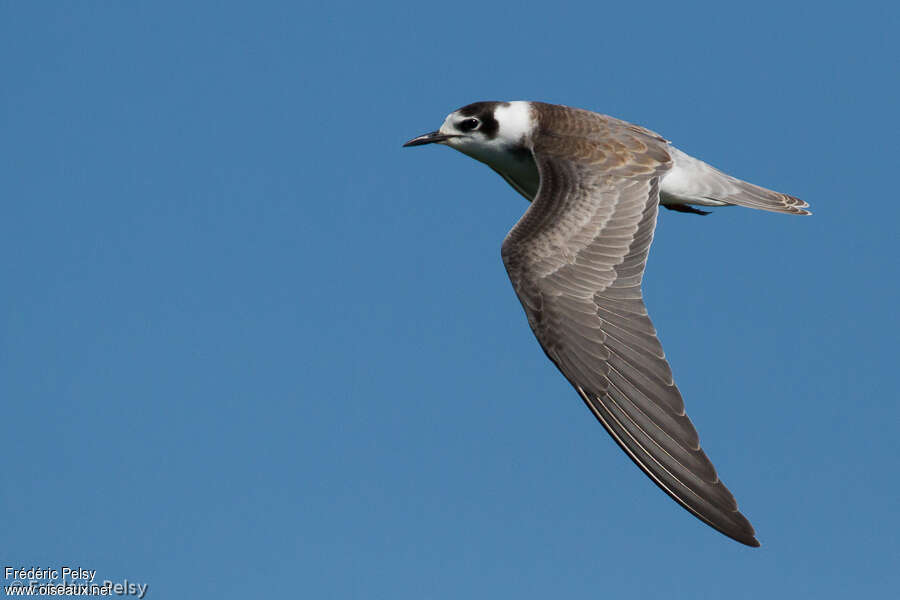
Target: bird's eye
[(469, 125)]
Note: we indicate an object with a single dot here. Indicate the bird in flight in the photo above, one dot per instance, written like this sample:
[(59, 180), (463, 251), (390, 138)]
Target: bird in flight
[(576, 259)]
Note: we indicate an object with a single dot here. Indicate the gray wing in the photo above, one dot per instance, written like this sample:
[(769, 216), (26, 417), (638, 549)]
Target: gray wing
[(576, 259)]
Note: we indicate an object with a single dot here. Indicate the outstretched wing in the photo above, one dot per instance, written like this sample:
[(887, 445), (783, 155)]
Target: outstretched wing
[(576, 259)]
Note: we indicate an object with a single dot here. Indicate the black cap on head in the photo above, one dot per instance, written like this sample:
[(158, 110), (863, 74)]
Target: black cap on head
[(484, 112)]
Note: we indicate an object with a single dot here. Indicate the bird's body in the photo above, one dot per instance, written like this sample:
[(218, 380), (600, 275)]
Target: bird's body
[(576, 260)]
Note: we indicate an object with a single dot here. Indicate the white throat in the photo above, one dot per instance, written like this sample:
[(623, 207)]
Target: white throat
[(505, 152)]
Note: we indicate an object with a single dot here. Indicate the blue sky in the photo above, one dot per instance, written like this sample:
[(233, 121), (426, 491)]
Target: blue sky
[(250, 347)]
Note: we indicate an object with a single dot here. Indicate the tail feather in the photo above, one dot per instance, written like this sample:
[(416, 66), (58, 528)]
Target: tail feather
[(692, 181), (742, 193)]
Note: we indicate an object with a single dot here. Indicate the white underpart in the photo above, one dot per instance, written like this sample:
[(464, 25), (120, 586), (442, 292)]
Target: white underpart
[(522, 175), (684, 183)]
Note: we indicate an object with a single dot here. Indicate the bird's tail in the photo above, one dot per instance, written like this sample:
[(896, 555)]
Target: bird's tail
[(692, 181)]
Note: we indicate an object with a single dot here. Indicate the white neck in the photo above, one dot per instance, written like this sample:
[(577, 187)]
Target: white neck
[(516, 121)]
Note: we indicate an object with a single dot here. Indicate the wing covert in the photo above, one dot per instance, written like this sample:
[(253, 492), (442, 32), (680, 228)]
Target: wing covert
[(576, 259)]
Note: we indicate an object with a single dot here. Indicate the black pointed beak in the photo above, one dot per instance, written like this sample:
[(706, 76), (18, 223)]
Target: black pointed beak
[(429, 138)]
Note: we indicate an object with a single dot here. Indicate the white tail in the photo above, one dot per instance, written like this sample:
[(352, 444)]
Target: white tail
[(692, 181)]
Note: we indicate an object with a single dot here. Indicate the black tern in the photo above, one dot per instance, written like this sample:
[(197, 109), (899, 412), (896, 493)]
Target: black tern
[(576, 259)]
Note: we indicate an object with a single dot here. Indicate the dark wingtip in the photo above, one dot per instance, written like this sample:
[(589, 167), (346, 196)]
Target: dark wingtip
[(745, 534)]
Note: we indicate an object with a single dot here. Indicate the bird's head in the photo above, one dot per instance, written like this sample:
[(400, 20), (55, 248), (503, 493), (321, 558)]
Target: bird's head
[(483, 129)]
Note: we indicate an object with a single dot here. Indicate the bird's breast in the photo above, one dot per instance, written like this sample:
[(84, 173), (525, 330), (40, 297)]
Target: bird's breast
[(517, 167)]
